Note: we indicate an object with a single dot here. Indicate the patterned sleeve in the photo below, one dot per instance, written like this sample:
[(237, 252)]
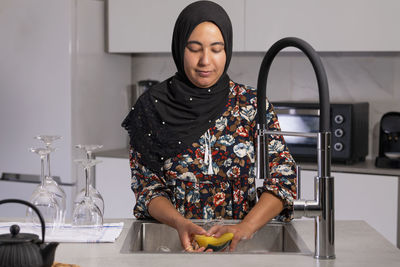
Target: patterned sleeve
[(146, 185), (282, 181)]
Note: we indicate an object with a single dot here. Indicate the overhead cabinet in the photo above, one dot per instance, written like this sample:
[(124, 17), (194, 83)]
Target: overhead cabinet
[(340, 25), (137, 26)]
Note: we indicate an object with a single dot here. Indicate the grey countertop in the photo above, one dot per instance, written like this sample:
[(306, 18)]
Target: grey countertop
[(357, 244), (365, 167)]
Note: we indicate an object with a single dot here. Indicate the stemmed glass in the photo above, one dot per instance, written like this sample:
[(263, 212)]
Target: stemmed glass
[(93, 192), (86, 212), (49, 182), (89, 149), (42, 198)]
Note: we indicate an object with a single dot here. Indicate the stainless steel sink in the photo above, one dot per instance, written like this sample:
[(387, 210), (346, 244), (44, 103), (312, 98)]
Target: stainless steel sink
[(153, 237)]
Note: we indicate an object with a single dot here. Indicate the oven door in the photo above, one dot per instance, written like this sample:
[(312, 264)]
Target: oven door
[(296, 119)]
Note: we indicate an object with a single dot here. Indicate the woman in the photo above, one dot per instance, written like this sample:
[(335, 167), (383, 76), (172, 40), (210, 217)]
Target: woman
[(192, 140)]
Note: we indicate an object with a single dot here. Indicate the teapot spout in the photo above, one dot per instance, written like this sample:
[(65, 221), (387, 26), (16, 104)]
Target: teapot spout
[(48, 252)]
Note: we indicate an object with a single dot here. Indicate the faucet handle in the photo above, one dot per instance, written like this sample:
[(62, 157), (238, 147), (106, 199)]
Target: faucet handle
[(262, 164), (298, 177)]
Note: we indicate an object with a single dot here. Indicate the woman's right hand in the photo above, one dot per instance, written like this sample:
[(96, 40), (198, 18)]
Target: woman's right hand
[(161, 209), (186, 230)]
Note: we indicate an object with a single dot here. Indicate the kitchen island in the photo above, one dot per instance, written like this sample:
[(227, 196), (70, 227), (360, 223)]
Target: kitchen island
[(357, 244)]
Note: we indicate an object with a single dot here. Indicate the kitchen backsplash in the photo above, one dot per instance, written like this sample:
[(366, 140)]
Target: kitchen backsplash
[(353, 77)]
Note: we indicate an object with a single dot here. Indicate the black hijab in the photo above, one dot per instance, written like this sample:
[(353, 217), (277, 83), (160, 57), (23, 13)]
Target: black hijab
[(170, 116)]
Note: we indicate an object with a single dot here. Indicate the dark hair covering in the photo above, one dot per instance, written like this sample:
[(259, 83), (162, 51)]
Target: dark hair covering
[(189, 18), (172, 115)]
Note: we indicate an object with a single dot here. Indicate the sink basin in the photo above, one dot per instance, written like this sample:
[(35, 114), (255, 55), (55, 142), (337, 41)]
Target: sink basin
[(154, 237)]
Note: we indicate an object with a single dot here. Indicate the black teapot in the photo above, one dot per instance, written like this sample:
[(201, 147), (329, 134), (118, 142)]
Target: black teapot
[(19, 249)]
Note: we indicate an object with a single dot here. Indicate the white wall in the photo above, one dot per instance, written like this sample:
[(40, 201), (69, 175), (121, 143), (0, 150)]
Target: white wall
[(35, 82), (56, 78), (353, 77)]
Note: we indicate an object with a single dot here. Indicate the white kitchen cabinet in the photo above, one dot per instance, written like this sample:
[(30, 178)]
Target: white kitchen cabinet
[(56, 78), (372, 198), (113, 180), (339, 25), (137, 26)]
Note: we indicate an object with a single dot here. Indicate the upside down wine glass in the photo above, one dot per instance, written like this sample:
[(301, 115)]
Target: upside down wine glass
[(89, 149), (49, 182), (93, 192), (44, 199), (86, 212)]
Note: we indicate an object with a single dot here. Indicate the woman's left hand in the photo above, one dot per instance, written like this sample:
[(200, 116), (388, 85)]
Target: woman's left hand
[(241, 231)]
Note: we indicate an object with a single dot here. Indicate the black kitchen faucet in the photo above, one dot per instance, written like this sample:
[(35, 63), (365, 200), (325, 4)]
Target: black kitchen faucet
[(322, 207)]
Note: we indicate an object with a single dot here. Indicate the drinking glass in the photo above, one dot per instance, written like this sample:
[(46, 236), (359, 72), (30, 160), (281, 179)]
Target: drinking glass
[(49, 182), (89, 149), (93, 192), (86, 212), (44, 199)]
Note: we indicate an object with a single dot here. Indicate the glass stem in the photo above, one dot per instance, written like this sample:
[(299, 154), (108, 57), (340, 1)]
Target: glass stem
[(89, 157), (48, 165), (87, 173), (42, 170)]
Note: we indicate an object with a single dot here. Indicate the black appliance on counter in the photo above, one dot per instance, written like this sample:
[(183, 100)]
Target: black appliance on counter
[(349, 127), (389, 141)]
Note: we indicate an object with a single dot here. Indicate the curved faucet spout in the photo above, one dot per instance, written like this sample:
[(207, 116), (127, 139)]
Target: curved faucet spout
[(319, 71), (322, 207)]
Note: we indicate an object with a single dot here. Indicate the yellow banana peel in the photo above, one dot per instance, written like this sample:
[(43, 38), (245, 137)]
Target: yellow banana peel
[(214, 243)]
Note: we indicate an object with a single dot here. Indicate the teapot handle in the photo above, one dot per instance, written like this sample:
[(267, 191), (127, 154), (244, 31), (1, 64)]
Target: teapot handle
[(20, 201)]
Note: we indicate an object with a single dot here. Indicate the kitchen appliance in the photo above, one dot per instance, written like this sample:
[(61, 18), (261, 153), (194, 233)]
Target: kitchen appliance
[(23, 249), (389, 143), (349, 127), (140, 88)]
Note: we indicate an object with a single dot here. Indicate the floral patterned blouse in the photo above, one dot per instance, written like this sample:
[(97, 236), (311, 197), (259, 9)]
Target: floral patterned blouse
[(215, 177)]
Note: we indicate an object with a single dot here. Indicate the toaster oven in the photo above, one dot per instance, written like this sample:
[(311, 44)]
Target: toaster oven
[(349, 128)]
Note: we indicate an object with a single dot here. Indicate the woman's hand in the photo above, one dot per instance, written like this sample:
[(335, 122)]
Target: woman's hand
[(267, 207), (186, 230), (161, 209), (241, 231)]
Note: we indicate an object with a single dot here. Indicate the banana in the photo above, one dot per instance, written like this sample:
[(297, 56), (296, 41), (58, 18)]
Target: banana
[(216, 244)]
